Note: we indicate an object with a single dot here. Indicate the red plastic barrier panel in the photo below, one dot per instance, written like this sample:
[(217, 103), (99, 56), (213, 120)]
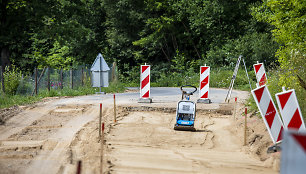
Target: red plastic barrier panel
[(290, 110), (268, 112), (204, 82), (260, 74), (145, 81)]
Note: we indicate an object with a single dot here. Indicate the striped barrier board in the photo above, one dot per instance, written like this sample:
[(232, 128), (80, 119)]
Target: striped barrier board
[(204, 82), (268, 112), (145, 81), (290, 110), (260, 73), (293, 157)]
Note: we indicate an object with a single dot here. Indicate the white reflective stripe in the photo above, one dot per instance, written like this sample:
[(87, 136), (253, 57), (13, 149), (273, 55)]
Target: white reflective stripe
[(145, 90), (288, 110), (265, 101), (260, 73), (276, 127), (204, 90), (205, 74), (145, 74), (302, 128)]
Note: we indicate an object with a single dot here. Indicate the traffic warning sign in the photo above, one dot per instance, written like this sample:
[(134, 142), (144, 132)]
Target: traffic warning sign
[(260, 73), (290, 110), (204, 82), (268, 112), (145, 81)]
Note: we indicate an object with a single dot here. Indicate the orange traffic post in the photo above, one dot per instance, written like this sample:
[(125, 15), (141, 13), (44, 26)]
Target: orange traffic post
[(245, 126), (79, 167), (102, 141), (115, 119), (100, 119), (235, 107)]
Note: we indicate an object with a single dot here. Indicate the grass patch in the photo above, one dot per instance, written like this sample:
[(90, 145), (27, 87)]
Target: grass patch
[(274, 87), (7, 101), (12, 100), (219, 78)]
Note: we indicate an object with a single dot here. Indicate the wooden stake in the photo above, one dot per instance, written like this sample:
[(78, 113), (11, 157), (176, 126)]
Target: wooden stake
[(38, 81), (115, 119), (245, 127), (100, 119), (79, 167), (102, 141), (235, 107)]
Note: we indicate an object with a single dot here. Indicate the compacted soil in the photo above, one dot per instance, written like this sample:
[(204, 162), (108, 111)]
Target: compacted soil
[(58, 134)]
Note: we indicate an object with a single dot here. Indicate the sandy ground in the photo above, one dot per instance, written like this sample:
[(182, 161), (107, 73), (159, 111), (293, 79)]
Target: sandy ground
[(54, 135)]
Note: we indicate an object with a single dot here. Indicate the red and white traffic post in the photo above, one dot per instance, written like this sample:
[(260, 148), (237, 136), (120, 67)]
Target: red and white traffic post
[(293, 155), (260, 73), (268, 112), (115, 117), (204, 85), (101, 152), (290, 110), (145, 84)]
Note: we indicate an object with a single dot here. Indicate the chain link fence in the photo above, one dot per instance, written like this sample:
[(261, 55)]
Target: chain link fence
[(47, 79)]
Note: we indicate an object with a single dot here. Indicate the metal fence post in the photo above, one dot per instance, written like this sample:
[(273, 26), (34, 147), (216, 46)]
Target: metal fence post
[(61, 75), (48, 79), (114, 77), (36, 83), (82, 80), (71, 78), (2, 78)]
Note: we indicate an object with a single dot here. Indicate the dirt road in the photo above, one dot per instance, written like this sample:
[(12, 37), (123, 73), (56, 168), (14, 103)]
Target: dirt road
[(52, 136), (146, 143)]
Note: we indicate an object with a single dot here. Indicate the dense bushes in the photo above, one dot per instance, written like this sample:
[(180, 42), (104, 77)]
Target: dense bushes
[(12, 78)]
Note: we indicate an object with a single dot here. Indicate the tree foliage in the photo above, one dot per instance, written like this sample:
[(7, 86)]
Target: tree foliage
[(63, 33), (288, 18)]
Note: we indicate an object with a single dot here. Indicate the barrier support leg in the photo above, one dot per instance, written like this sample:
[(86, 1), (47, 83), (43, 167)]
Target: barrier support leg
[(245, 127)]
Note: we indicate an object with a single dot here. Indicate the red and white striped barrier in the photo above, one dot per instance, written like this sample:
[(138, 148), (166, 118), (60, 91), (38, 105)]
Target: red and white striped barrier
[(260, 73), (290, 110), (293, 157), (145, 81), (204, 82), (268, 112)]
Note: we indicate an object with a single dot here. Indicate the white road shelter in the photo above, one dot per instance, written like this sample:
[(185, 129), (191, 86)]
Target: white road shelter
[(100, 72)]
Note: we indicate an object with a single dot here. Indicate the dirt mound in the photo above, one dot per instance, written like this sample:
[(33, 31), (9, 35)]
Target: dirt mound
[(7, 113), (258, 138)]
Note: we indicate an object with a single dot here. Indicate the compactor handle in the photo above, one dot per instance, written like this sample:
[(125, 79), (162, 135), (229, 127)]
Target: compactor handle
[(188, 93)]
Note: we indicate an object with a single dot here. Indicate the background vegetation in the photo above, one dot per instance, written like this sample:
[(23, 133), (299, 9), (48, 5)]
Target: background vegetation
[(175, 37)]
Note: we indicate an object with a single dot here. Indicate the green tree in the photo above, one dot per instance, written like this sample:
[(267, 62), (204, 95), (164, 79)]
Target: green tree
[(288, 17)]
